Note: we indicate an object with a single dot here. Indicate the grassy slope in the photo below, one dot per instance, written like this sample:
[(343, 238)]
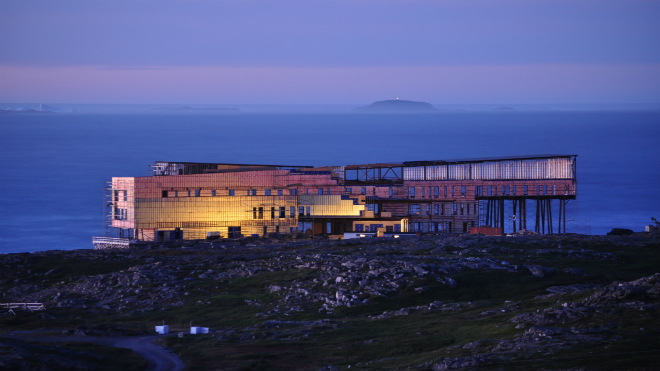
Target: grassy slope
[(407, 339)]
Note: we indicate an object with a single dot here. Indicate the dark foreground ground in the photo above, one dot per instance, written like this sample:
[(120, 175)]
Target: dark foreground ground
[(424, 303)]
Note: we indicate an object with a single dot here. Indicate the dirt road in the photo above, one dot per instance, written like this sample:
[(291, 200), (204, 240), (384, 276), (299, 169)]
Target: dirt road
[(158, 358)]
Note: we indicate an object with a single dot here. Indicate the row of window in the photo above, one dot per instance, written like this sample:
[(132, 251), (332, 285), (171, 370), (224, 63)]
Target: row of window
[(280, 212), (253, 192), (515, 190), (250, 192), (412, 192), (434, 192), (374, 227), (437, 227), (439, 209)]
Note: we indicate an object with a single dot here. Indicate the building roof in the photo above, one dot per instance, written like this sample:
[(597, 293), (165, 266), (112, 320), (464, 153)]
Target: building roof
[(484, 159)]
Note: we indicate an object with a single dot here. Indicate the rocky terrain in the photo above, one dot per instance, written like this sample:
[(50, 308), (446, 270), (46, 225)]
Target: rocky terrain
[(422, 302)]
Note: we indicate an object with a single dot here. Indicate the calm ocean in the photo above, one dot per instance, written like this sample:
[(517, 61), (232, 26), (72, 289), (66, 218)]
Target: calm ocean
[(54, 166)]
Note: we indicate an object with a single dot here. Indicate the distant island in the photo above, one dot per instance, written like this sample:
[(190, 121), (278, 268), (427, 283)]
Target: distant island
[(196, 109), (397, 105), (22, 111), (26, 110), (504, 109)]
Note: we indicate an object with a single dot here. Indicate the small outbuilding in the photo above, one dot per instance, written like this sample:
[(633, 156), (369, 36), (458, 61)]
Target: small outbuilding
[(163, 329), (199, 330)]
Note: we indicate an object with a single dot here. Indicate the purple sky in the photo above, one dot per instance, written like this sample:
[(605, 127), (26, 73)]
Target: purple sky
[(316, 51)]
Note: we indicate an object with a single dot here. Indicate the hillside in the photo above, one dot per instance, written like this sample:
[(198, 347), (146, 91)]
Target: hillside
[(428, 302)]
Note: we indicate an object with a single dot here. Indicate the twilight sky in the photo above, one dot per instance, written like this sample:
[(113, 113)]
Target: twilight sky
[(318, 51)]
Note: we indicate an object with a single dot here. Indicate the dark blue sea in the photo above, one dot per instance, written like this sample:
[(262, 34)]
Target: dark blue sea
[(55, 165)]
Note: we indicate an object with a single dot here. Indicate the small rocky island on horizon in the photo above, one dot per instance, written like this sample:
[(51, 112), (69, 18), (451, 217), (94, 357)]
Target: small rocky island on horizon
[(397, 105)]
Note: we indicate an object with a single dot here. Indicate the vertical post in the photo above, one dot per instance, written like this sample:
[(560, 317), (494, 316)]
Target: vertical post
[(514, 213), (524, 211), (564, 203), (559, 224), (550, 225), (502, 215), (543, 216), (487, 211), (537, 227)]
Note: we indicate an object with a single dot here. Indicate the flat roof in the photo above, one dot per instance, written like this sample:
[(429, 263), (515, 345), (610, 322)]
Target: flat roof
[(487, 159), (388, 164), (227, 164)]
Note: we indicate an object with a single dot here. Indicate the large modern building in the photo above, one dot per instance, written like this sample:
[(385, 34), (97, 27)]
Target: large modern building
[(182, 200)]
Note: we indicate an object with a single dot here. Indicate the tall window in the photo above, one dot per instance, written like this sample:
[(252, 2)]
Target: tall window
[(463, 191), (272, 212), (349, 190), (261, 213), (412, 192), (231, 192), (462, 209), (282, 212), (490, 190), (266, 192), (423, 192), (436, 192), (293, 192), (525, 190), (254, 213), (452, 191), (254, 192), (301, 210), (514, 190), (279, 192), (292, 212), (198, 193), (436, 209), (391, 193), (320, 191), (309, 208), (364, 190), (415, 209), (445, 191), (213, 193)]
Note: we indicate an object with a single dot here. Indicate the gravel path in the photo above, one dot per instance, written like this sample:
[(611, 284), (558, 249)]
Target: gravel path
[(157, 357)]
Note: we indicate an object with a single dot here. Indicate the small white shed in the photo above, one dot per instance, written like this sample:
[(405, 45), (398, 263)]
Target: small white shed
[(199, 330), (163, 329)]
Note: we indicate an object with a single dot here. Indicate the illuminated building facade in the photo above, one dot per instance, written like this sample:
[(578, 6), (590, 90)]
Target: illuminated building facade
[(200, 200)]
